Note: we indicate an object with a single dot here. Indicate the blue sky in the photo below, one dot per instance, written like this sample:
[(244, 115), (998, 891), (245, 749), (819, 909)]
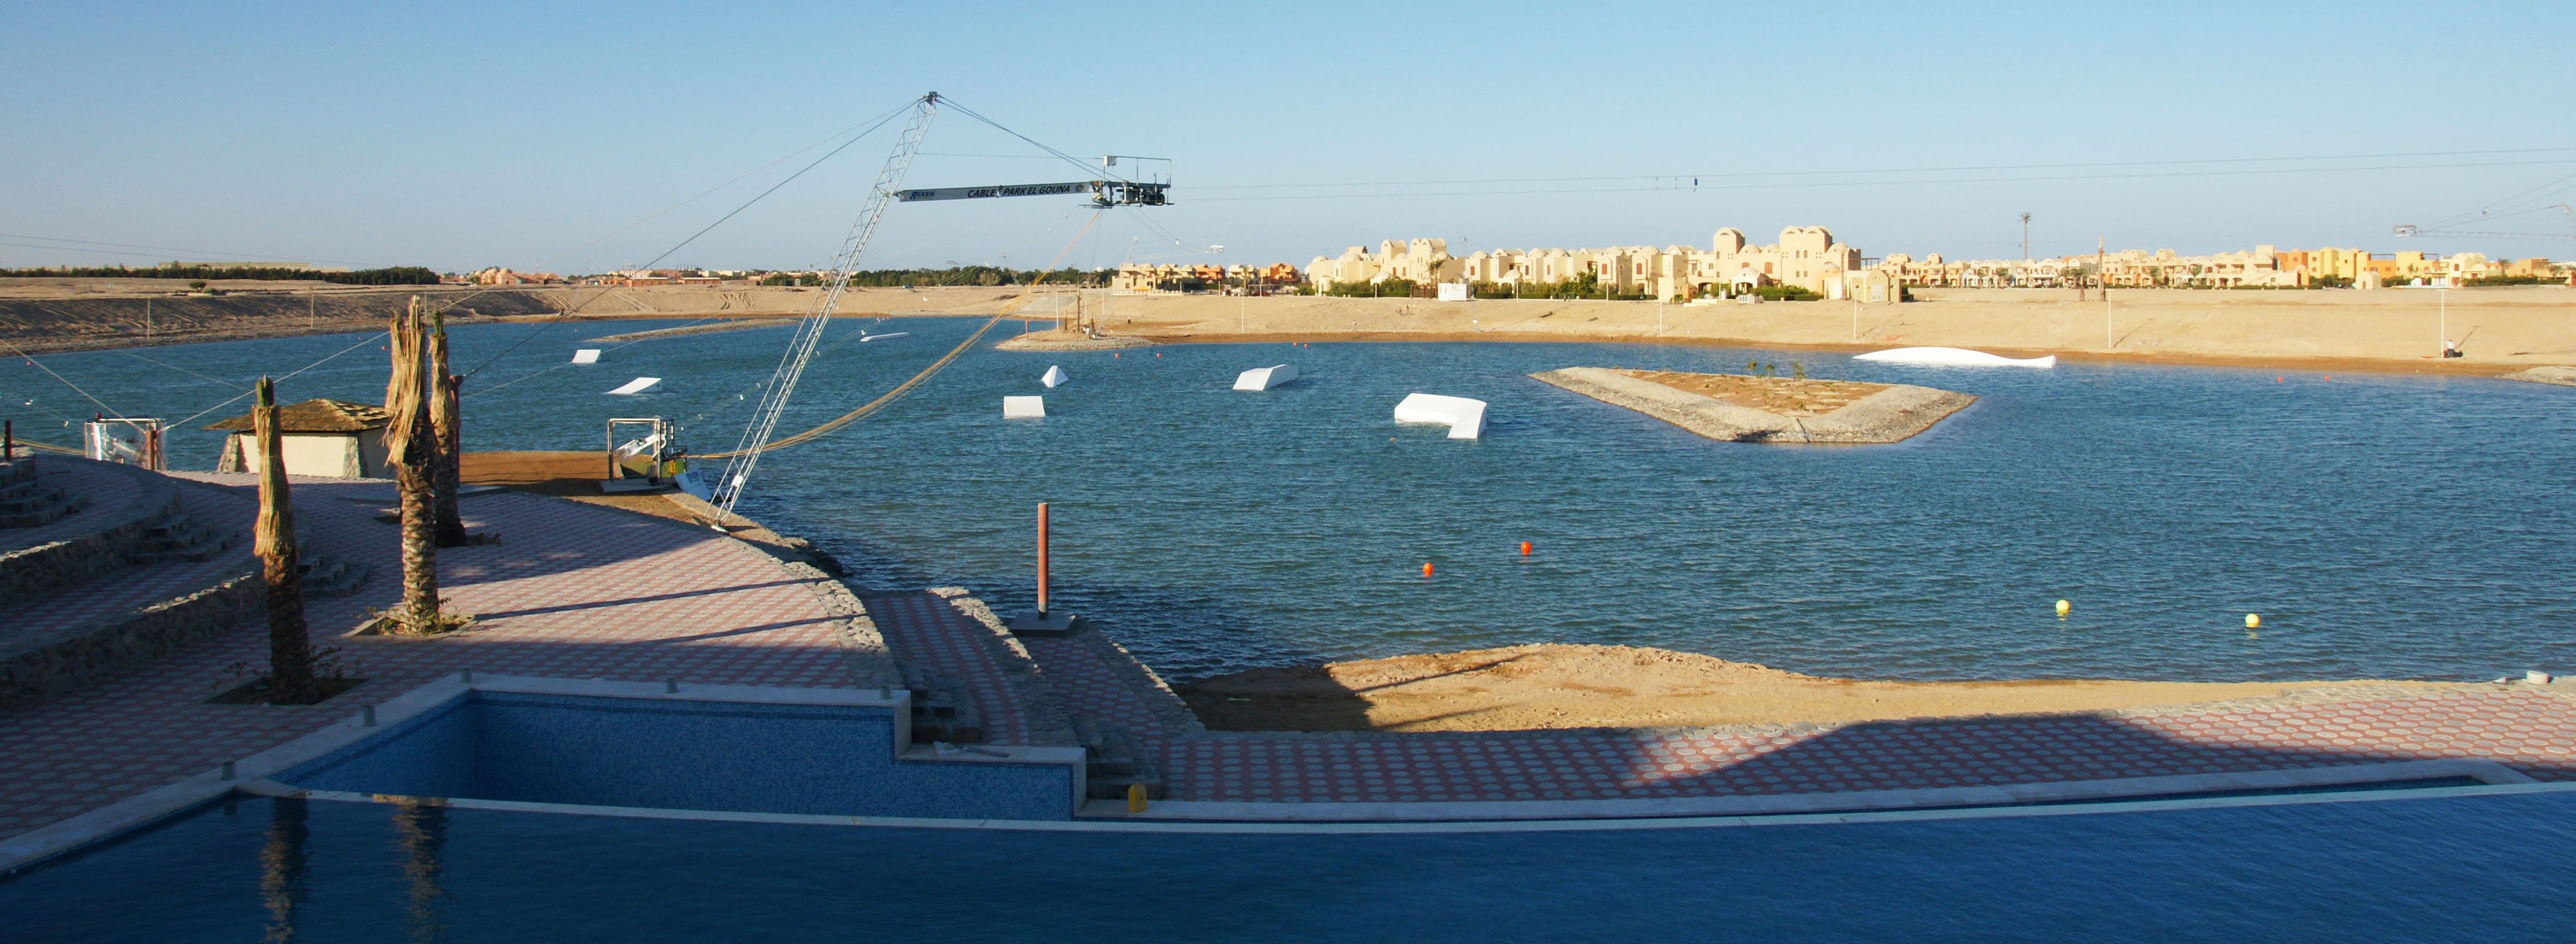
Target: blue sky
[(461, 135)]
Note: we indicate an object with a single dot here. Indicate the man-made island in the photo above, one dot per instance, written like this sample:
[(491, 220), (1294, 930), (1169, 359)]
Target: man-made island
[(1740, 408)]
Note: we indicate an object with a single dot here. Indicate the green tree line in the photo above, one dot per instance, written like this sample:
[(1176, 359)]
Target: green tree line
[(959, 275)]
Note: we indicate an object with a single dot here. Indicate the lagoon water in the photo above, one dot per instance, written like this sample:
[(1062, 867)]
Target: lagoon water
[(2385, 526)]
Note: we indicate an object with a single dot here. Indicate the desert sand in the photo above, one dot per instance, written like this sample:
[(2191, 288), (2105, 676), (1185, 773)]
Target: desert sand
[(1562, 686), (2501, 329)]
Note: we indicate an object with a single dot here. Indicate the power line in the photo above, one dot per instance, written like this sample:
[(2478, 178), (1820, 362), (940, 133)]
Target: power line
[(1877, 183), (1897, 170)]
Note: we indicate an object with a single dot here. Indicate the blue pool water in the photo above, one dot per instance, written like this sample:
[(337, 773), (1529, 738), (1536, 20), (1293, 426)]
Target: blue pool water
[(2397, 870), (2383, 525)]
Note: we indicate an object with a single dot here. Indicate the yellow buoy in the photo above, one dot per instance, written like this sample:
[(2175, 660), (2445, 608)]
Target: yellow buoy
[(2252, 621), (2062, 607)]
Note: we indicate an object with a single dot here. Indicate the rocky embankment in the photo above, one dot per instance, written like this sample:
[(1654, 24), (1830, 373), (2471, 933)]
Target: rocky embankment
[(2562, 376), (1891, 413), (1068, 341), (38, 325)]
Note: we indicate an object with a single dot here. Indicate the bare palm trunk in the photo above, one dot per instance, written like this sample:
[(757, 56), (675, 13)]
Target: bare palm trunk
[(410, 447), (290, 652), (450, 530)]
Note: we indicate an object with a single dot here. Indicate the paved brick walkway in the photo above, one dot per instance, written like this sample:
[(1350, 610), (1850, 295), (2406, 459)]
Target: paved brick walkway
[(923, 629), (574, 590), (2530, 731)]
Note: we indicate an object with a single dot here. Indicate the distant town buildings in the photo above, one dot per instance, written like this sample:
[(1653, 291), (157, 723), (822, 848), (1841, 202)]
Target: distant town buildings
[(503, 276), (1808, 257), (1139, 277), (2264, 267)]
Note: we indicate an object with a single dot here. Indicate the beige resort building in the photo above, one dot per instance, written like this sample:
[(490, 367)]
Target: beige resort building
[(1806, 256)]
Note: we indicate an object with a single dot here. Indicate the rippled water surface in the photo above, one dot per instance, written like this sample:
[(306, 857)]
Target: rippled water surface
[(2383, 525)]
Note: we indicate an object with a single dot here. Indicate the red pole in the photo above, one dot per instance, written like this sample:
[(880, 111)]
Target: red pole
[(1042, 560)]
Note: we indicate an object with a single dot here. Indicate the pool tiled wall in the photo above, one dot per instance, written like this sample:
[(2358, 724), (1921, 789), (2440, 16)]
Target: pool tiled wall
[(680, 754)]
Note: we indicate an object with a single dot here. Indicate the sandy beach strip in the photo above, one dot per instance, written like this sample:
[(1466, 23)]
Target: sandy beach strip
[(1537, 687)]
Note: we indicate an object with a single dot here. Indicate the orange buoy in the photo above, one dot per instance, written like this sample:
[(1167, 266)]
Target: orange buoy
[(1426, 568), (1113, 353), (1525, 549)]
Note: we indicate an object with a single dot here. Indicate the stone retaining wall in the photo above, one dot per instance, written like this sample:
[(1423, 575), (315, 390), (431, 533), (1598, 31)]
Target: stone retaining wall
[(28, 573), (88, 654)]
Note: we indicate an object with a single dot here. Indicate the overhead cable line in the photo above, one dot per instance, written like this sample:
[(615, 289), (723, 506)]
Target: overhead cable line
[(1895, 170), (1872, 183)]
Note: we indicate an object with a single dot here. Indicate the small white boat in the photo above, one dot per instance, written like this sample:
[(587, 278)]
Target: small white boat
[(1952, 357), (587, 355), (1264, 378), (1055, 377), (1464, 417), (1024, 408), (637, 385)]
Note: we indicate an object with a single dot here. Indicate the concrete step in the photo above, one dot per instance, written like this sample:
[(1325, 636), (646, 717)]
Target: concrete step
[(177, 537), (32, 506), (1116, 762), (327, 575), (941, 708)]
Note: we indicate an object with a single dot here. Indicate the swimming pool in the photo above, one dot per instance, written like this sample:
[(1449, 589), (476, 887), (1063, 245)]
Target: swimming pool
[(2476, 868)]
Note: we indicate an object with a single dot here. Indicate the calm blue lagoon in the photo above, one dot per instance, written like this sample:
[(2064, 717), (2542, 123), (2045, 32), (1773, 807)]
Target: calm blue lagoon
[(2384, 525)]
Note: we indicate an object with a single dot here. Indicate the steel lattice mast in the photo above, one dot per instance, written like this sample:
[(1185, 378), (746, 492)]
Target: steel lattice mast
[(791, 366)]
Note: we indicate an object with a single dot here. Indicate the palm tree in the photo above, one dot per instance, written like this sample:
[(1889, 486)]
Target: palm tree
[(410, 449), (290, 653), (444, 429)]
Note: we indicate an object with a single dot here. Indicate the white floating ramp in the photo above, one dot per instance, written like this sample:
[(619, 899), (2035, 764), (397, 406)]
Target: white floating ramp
[(637, 385), (1023, 408), (1264, 378), (1464, 417), (587, 355), (1952, 357), (1055, 377)]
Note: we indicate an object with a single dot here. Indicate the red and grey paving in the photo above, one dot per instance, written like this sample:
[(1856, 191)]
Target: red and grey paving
[(2530, 731), (574, 590)]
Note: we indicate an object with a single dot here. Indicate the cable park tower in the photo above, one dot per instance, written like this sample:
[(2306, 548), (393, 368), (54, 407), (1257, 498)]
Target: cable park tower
[(1105, 190)]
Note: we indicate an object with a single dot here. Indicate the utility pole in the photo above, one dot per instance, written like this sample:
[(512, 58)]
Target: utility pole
[(2105, 278), (2025, 236)]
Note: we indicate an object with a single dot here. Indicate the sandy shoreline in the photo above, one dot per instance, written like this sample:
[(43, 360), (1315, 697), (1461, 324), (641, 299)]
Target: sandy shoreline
[(1539, 687), (2503, 330)]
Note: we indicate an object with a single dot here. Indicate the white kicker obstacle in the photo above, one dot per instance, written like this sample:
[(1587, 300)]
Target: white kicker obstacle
[(1055, 377), (1264, 378), (1952, 357), (1024, 408), (588, 355), (637, 385), (1464, 417)]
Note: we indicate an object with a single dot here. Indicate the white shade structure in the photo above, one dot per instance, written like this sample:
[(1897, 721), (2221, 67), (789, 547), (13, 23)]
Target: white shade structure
[(1264, 378), (1464, 417), (1952, 357)]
